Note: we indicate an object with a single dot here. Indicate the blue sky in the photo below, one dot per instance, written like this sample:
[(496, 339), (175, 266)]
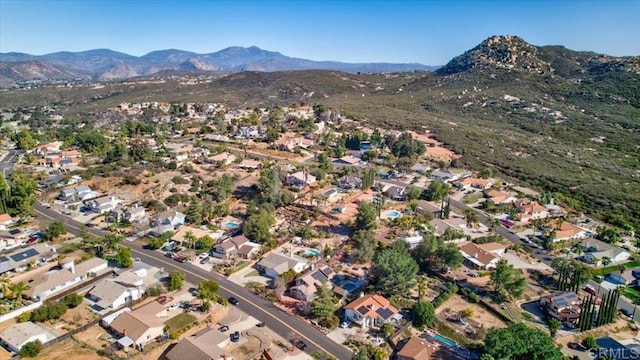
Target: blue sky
[(428, 32)]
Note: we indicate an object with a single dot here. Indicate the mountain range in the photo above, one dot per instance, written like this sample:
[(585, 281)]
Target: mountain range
[(105, 64)]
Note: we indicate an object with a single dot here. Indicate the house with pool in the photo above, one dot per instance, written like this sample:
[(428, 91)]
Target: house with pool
[(236, 246), (276, 264)]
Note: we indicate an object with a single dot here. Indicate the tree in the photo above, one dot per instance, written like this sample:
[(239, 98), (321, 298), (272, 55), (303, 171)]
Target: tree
[(366, 217), (394, 271), (519, 341), (54, 230), (194, 212), (554, 325), (17, 289), (436, 191), (176, 281), (471, 216), (424, 314), (205, 242), (72, 300), (31, 349), (208, 285), (364, 245), (123, 257), (325, 303), (22, 195), (24, 140), (590, 342), (507, 281), (387, 329), (450, 256), (256, 227)]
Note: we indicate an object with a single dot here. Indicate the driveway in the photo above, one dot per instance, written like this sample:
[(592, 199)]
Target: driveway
[(518, 263), (241, 278), (341, 335)]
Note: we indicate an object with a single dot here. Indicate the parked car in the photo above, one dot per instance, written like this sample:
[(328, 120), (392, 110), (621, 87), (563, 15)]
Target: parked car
[(179, 258), (626, 312), (173, 307), (299, 344), (235, 336), (204, 260), (223, 328), (260, 324), (169, 255), (591, 290), (345, 324), (233, 301)]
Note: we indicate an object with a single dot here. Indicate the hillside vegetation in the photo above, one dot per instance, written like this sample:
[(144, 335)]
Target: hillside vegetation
[(556, 119)]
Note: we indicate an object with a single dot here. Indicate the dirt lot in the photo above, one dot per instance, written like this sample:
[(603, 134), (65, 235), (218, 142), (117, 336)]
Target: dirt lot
[(480, 316), (68, 350)]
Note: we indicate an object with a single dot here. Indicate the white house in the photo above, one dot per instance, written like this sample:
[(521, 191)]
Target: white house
[(170, 217), (103, 204), (275, 264), (370, 311), (16, 336), (483, 256), (135, 213), (233, 246), (5, 221), (45, 284), (78, 193), (300, 179), (109, 294)]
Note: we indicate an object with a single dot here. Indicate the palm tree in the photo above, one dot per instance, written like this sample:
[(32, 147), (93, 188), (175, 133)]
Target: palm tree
[(605, 261), (190, 237), (5, 283), (18, 289)]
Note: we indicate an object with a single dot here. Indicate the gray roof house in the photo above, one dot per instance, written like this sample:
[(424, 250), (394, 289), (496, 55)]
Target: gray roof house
[(19, 334), (275, 264), (232, 246), (349, 182), (307, 285)]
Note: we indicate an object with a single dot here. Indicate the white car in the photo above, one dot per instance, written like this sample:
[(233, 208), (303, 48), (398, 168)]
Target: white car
[(173, 307), (345, 324)]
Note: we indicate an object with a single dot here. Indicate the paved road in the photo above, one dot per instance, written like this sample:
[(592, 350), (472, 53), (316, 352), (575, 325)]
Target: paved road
[(539, 254), (284, 324), (7, 163)]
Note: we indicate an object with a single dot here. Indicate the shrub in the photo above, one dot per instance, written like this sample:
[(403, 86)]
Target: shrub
[(31, 349), (72, 300), (24, 317), (179, 180), (590, 342)]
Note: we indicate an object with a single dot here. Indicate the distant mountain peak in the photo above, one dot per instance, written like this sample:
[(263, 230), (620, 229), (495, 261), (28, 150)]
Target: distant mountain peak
[(503, 51)]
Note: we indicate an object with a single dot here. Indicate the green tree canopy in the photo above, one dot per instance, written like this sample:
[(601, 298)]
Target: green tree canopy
[(366, 217), (54, 230), (424, 314), (364, 245), (520, 342), (176, 281), (507, 281), (394, 271), (436, 191), (325, 304), (256, 227), (123, 257)]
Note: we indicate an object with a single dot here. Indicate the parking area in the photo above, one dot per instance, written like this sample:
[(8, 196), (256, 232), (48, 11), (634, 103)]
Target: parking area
[(340, 335)]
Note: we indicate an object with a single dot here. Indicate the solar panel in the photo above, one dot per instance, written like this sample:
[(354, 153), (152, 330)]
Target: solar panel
[(571, 296), (3, 259), (384, 313), (24, 255), (363, 309), (318, 275), (327, 271), (561, 302), (14, 231)]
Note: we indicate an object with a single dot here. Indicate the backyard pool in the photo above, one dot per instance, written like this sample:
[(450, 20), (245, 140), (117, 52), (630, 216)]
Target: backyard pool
[(393, 214), (445, 340), (231, 224), (312, 252)]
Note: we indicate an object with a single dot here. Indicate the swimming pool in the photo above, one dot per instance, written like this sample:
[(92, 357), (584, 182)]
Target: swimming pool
[(393, 214), (312, 252), (445, 340), (231, 224)]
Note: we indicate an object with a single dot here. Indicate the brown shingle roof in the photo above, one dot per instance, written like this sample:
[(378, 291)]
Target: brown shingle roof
[(416, 349)]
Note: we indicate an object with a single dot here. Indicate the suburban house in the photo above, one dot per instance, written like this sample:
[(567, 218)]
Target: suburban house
[(110, 294), (446, 175), (474, 183), (21, 259), (395, 193), (300, 179), (627, 278), (370, 311), (530, 210), (250, 164), (77, 194), (421, 168), (48, 283), (275, 264), (426, 208), (595, 251), (236, 246), (140, 326), (21, 333), (103, 204), (172, 218), (564, 306), (416, 348), (498, 197), (135, 213), (482, 256), (222, 159), (565, 231), (48, 148), (203, 345), (349, 182), (349, 160), (306, 286), (5, 221)]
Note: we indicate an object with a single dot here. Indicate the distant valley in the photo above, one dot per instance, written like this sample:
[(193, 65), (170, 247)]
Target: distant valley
[(105, 64)]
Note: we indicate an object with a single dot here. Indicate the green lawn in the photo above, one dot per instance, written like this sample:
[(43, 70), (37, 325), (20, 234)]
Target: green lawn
[(179, 322), (632, 292), (470, 199)]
